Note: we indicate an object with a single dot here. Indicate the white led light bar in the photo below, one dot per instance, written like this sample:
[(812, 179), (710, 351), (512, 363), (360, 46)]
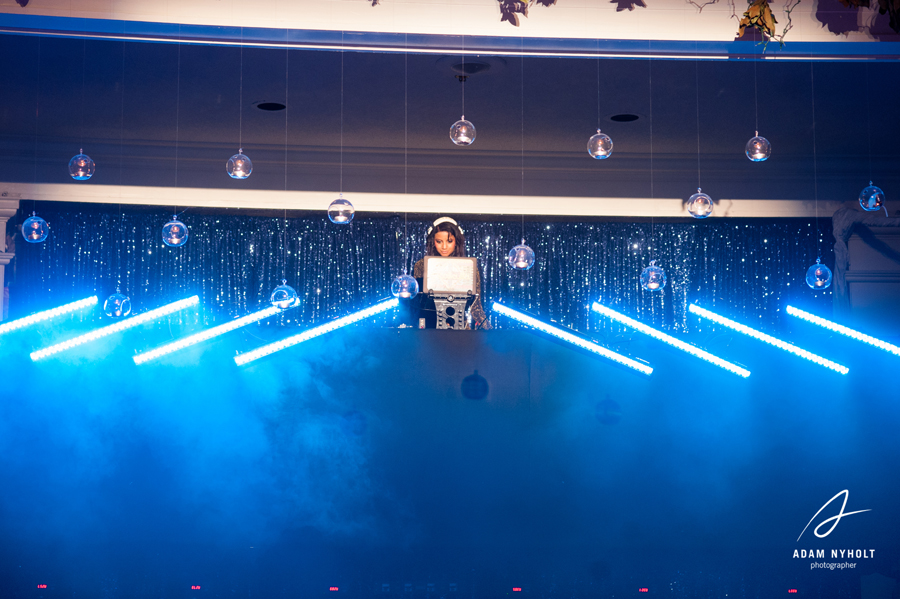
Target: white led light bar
[(571, 338), (205, 335), (694, 351), (47, 314), (271, 348), (838, 328), (115, 328), (768, 339)]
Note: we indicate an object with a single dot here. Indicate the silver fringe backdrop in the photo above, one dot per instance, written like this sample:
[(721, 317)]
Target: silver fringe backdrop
[(747, 269)]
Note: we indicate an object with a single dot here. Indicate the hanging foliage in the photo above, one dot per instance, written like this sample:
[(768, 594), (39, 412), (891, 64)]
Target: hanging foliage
[(511, 9), (759, 16), (890, 7)]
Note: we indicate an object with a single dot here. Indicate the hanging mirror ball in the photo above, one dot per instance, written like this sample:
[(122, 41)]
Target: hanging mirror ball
[(35, 229), (871, 198), (462, 132), (700, 205), (284, 296), (239, 166), (404, 287), (81, 167), (474, 386), (653, 277), (174, 233), (521, 257), (600, 145), (758, 148), (341, 212), (117, 305), (818, 276)]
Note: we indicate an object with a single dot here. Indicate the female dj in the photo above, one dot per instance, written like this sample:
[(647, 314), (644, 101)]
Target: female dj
[(445, 238)]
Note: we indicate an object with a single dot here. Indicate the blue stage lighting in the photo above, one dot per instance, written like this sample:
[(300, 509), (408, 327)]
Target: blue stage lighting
[(768, 339), (47, 314), (837, 328), (694, 351), (571, 338), (115, 328), (271, 348), (205, 335)]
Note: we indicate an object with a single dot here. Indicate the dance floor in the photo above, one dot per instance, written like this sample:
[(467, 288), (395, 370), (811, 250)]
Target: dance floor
[(418, 464)]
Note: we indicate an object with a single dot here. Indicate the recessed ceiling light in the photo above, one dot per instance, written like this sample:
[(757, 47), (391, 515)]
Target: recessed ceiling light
[(471, 65), (624, 118), (271, 106)]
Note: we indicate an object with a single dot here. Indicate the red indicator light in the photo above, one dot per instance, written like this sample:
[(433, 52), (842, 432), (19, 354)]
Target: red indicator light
[(195, 587), (517, 589), (792, 590), (42, 586), (643, 590), (332, 588)]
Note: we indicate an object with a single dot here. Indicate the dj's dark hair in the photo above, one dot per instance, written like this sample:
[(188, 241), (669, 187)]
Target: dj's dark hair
[(449, 226)]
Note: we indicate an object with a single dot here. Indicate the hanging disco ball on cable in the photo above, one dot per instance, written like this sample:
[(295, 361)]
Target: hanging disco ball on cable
[(462, 132), (117, 305), (818, 276), (81, 167), (758, 148), (404, 287), (521, 257), (474, 386), (700, 205), (871, 198), (284, 296), (340, 211), (239, 166), (174, 233), (600, 145), (35, 229), (653, 277)]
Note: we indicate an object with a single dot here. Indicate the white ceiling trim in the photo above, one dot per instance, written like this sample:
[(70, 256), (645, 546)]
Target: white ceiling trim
[(418, 203), (585, 19)]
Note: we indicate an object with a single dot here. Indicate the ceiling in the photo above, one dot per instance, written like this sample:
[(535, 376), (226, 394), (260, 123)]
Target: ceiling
[(167, 115)]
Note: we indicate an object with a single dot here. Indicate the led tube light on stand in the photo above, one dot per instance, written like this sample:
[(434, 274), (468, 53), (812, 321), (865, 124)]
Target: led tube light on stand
[(47, 314), (797, 351), (205, 335), (565, 335), (271, 348), (839, 328), (686, 347), (115, 328)]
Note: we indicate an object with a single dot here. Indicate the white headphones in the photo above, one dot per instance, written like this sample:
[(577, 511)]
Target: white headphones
[(443, 219)]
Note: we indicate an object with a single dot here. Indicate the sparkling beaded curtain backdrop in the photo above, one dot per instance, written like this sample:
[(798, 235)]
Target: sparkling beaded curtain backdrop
[(747, 268)]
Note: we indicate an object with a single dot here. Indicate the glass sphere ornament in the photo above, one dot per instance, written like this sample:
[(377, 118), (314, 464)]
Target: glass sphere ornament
[(474, 386), (521, 257), (462, 133), (404, 287), (239, 166), (117, 305), (700, 205), (340, 211), (600, 145), (609, 411), (818, 276), (758, 148), (174, 233), (871, 198), (35, 229), (653, 277), (284, 296), (81, 167)]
